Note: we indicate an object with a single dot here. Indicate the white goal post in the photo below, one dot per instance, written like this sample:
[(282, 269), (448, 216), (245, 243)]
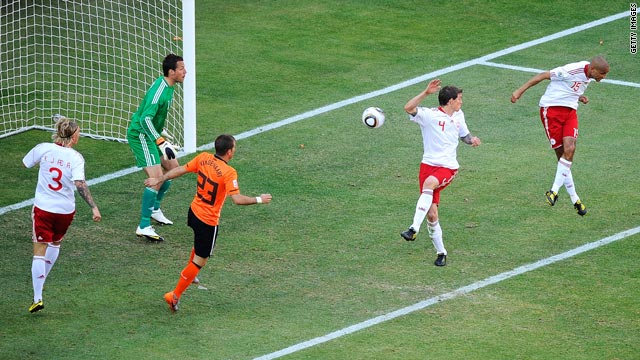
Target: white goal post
[(93, 61)]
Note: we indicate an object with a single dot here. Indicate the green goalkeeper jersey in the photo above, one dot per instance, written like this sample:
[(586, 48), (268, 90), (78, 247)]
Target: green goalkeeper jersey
[(152, 113)]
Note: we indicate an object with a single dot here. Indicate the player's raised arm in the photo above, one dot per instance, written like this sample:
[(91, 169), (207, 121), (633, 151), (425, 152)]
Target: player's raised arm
[(412, 105), (531, 82)]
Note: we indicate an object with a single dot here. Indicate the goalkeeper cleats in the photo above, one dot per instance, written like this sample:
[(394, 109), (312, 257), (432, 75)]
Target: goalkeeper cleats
[(580, 208), (172, 300), (36, 306), (196, 281), (149, 233), (552, 197), (409, 235), (441, 260), (158, 216)]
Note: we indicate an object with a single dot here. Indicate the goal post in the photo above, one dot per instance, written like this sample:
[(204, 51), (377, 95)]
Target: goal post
[(93, 61), (189, 98)]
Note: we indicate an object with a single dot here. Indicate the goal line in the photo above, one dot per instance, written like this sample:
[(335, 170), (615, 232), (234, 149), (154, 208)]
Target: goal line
[(93, 62)]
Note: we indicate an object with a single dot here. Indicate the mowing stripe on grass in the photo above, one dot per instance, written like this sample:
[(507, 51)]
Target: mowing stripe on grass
[(356, 99), (450, 295)]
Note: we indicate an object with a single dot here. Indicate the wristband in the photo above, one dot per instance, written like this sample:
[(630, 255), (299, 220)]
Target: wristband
[(258, 200)]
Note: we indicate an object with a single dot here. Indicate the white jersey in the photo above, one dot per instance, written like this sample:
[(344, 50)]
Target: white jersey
[(567, 84), (59, 167), (440, 135)]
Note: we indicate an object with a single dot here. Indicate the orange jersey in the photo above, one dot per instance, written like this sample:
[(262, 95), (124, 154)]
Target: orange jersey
[(216, 180)]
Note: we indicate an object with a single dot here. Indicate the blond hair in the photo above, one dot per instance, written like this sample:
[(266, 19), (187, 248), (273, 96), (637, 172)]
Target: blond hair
[(65, 129)]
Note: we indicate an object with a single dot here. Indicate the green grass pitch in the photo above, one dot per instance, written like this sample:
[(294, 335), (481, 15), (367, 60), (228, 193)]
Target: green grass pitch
[(326, 253)]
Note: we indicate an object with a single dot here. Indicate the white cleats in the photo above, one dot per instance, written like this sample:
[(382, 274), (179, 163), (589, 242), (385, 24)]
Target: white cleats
[(158, 216), (149, 233)]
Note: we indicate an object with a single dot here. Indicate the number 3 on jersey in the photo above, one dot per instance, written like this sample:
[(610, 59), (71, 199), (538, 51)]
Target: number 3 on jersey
[(208, 187), (56, 179)]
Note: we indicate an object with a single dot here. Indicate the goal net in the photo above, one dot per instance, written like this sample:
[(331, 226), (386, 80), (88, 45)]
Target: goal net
[(89, 60)]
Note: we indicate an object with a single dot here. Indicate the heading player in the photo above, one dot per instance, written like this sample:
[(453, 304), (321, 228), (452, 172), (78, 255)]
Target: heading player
[(558, 113)]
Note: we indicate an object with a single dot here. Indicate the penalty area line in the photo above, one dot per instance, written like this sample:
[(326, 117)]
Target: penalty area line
[(450, 295)]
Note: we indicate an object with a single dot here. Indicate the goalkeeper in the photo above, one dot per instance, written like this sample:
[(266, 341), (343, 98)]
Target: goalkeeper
[(150, 143)]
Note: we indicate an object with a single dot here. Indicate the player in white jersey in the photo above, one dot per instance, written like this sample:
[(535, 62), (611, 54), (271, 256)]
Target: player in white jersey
[(61, 169), (559, 117), (442, 128)]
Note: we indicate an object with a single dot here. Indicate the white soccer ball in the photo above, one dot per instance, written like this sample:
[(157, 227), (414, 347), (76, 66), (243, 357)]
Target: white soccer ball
[(373, 117)]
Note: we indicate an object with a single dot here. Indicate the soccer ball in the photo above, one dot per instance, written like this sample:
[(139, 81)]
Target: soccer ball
[(373, 117)]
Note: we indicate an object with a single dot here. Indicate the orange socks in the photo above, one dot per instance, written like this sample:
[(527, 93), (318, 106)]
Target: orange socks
[(186, 278)]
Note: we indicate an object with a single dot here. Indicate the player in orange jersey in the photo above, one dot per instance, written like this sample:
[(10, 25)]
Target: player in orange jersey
[(216, 180)]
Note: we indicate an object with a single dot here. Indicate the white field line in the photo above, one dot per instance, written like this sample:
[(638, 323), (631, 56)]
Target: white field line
[(356, 99), (480, 284), (450, 295), (537, 71)]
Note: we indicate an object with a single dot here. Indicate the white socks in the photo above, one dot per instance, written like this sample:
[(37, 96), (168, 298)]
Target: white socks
[(435, 233), (422, 207), (564, 177), (434, 229), (40, 268), (38, 276), (50, 257), (571, 188)]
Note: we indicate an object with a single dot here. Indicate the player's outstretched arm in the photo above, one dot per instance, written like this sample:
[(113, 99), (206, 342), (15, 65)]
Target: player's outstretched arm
[(240, 199), (171, 174), (83, 190), (531, 82), (412, 105)]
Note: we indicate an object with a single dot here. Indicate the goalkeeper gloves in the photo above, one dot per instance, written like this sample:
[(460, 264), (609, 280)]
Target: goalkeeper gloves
[(168, 151), (165, 134), (168, 137)]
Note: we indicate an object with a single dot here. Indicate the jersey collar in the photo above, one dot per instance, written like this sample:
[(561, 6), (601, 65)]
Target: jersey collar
[(444, 112), (219, 158)]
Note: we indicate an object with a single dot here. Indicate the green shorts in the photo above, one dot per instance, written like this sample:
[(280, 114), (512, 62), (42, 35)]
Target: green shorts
[(144, 150)]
